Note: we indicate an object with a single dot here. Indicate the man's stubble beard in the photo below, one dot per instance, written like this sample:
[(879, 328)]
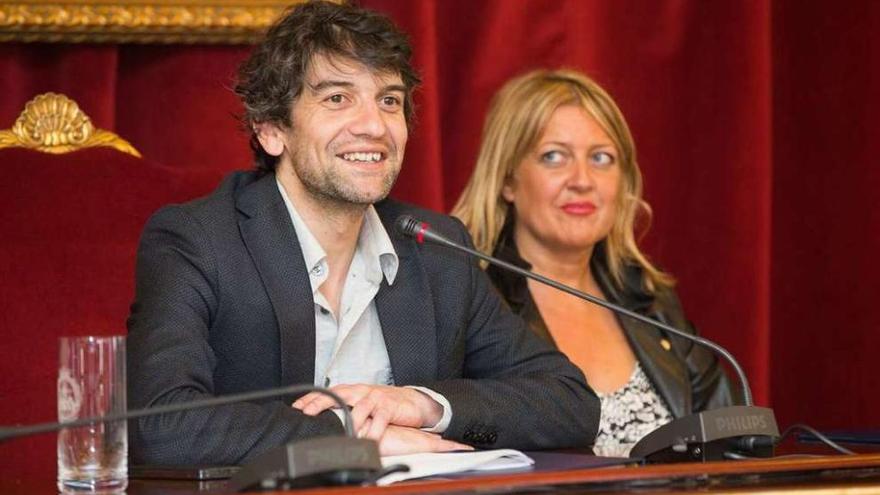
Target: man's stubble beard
[(328, 187)]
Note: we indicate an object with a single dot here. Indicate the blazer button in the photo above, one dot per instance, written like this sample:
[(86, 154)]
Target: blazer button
[(492, 438)]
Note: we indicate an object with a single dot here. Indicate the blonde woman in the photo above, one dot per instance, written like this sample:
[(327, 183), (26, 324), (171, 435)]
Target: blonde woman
[(557, 189)]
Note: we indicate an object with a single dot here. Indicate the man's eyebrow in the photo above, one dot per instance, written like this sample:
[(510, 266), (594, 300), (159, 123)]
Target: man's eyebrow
[(394, 87), (321, 86)]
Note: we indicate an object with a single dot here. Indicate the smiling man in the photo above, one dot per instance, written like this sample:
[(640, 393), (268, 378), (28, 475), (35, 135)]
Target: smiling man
[(292, 274)]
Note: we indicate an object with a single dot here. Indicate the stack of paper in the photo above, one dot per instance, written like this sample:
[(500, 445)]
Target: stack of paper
[(433, 464)]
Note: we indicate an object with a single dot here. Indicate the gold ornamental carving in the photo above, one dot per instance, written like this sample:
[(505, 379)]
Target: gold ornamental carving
[(157, 21), (53, 123)]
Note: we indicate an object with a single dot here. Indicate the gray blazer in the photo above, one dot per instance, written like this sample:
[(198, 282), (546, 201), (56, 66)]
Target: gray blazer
[(223, 305)]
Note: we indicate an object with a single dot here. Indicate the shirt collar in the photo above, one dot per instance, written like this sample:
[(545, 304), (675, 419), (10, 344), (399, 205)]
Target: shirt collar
[(373, 244)]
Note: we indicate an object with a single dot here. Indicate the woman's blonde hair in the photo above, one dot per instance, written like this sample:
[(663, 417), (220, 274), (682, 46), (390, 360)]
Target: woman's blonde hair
[(516, 119)]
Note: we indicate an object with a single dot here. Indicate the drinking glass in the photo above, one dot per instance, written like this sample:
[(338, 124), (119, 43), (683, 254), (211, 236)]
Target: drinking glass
[(91, 382)]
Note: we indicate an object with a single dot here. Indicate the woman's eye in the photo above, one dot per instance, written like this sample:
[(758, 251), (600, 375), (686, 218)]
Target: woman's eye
[(552, 157), (603, 158)]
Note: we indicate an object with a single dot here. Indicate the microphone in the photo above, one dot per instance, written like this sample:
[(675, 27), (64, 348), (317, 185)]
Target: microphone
[(322, 461), (727, 432)]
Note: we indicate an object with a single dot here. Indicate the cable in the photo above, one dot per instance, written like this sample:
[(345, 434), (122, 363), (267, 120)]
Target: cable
[(827, 441)]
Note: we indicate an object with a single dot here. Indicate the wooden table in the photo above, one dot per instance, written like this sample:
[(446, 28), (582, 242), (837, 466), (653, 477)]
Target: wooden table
[(853, 475)]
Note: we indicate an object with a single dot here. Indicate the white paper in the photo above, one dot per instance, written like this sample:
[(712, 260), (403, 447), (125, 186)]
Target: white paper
[(432, 464)]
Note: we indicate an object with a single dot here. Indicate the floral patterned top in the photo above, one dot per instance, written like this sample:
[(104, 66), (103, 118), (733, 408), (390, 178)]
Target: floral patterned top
[(628, 414)]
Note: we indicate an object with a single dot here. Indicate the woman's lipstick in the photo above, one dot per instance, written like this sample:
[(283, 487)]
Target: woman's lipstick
[(579, 208)]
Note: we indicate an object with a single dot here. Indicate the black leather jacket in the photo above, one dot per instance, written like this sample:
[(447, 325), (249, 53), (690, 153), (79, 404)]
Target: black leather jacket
[(686, 375)]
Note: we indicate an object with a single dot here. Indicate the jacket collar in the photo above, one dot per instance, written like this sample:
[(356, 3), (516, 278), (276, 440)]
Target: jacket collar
[(270, 238), (514, 288), (406, 309)]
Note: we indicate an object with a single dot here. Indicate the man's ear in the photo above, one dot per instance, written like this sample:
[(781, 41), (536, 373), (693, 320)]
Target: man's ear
[(271, 138)]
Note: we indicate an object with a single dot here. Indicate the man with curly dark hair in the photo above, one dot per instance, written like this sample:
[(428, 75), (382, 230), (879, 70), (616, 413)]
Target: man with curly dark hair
[(292, 274)]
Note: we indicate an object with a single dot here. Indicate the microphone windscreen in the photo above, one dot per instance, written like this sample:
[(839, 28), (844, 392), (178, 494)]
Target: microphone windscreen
[(407, 225)]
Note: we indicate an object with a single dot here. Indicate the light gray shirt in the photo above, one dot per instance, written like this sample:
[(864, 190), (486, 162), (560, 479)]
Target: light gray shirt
[(349, 346)]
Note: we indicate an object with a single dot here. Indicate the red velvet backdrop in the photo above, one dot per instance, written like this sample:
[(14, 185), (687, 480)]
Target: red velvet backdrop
[(752, 119)]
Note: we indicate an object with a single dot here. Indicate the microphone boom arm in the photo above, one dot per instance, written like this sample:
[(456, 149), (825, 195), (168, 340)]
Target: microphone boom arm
[(7, 433), (421, 231)]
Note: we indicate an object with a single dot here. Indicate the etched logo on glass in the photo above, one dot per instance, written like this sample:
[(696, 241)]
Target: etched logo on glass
[(69, 396)]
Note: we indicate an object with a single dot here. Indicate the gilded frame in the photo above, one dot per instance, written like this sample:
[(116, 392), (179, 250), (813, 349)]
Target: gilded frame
[(139, 21)]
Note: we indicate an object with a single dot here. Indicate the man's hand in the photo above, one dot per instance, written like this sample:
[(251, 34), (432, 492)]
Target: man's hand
[(374, 407), (399, 440)]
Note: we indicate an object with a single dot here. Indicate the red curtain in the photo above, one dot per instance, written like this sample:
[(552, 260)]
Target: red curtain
[(753, 122), (695, 80)]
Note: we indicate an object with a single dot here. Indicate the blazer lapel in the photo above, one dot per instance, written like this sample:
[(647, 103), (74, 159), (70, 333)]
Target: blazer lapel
[(271, 240), (407, 317), (666, 372)]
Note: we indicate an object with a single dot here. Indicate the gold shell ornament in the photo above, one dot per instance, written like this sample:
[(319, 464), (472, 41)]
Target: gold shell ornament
[(53, 123)]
